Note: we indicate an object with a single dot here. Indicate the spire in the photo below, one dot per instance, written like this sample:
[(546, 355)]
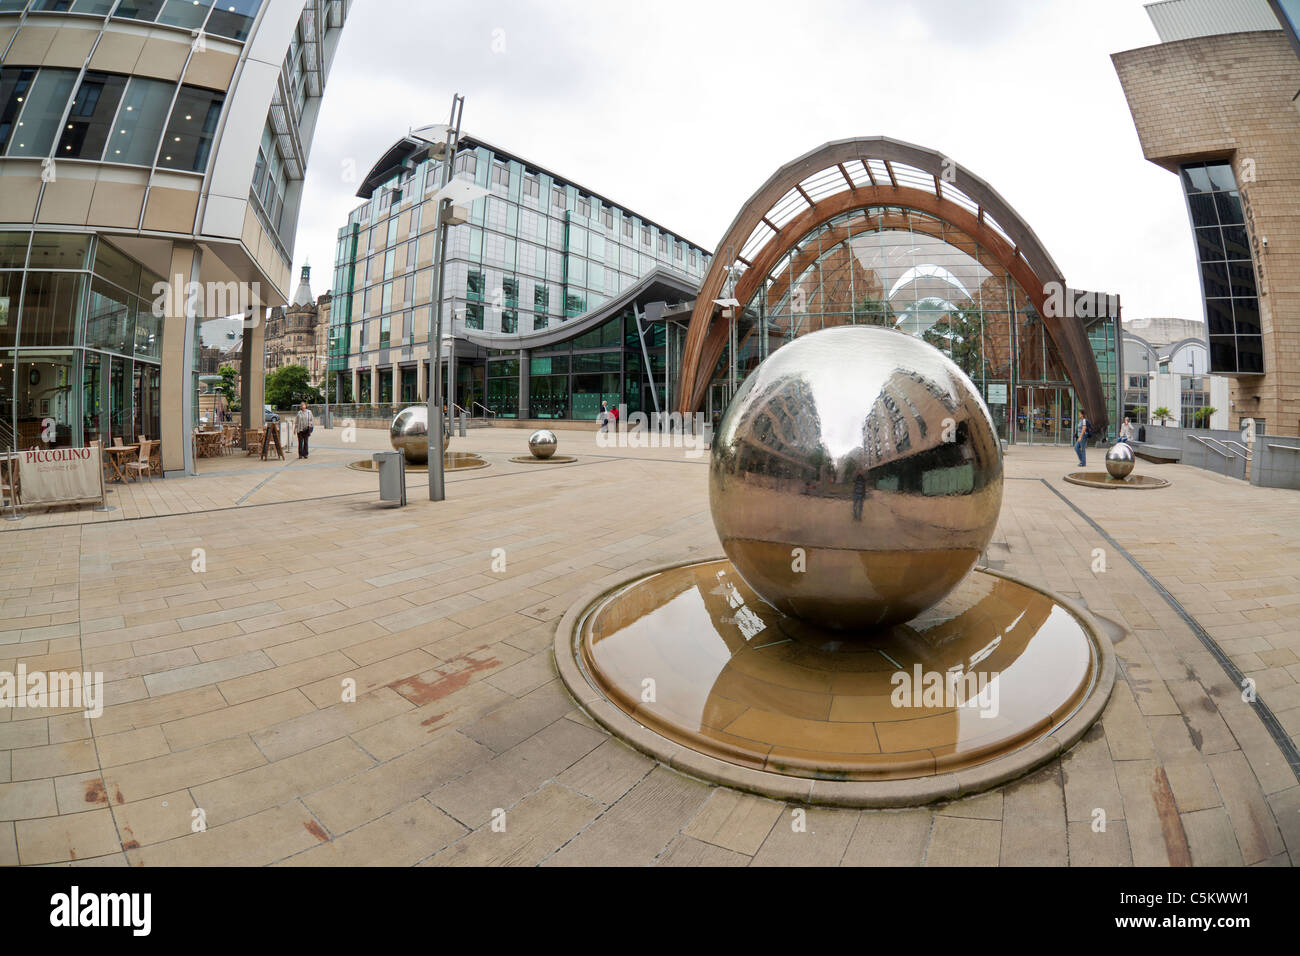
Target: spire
[(303, 296)]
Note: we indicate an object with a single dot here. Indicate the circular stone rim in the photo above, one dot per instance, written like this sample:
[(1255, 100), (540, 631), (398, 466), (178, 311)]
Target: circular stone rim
[(553, 460), (907, 792), (365, 466), (1077, 478)]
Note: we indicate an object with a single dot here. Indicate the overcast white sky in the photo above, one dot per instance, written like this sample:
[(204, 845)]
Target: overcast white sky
[(680, 109)]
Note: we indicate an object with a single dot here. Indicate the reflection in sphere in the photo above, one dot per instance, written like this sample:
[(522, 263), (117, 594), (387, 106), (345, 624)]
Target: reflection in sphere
[(542, 443), (856, 477), (410, 434), (1119, 460)]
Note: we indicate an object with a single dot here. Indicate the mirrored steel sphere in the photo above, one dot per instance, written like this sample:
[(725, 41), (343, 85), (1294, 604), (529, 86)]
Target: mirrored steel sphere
[(856, 477), (1119, 460), (542, 443), (409, 434)]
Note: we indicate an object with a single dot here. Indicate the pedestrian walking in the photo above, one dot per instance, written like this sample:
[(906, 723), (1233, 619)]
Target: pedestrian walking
[(304, 424), (1081, 437)]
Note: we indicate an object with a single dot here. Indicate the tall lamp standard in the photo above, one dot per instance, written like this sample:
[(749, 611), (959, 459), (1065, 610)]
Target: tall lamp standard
[(450, 201)]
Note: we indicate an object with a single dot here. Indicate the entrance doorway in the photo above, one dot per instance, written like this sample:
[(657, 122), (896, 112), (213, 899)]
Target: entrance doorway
[(1044, 415)]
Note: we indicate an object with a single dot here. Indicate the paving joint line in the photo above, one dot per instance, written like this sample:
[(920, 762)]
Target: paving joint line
[(1274, 727)]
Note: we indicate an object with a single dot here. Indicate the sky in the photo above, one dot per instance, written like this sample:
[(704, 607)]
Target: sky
[(680, 110)]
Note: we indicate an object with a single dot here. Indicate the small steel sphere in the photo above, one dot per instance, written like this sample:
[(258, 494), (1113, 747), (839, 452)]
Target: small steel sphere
[(856, 477), (409, 434), (1119, 460), (542, 443)]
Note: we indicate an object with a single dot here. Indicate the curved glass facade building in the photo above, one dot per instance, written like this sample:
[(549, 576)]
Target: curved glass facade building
[(152, 154), (874, 231)]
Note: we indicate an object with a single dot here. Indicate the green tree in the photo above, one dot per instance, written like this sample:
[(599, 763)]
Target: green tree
[(228, 387), (290, 385), (1162, 414), (959, 335), (1202, 416), (873, 311)]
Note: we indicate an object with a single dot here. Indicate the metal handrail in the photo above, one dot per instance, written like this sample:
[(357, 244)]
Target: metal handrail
[(1286, 447), (1206, 442), (485, 408), (1236, 444)]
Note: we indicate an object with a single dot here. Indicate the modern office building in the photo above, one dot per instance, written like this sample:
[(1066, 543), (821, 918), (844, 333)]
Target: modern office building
[(1215, 102), (151, 163), (1166, 365), (878, 231), (552, 299)]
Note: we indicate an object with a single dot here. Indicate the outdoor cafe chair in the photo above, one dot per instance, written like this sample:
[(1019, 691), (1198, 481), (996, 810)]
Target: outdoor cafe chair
[(142, 465)]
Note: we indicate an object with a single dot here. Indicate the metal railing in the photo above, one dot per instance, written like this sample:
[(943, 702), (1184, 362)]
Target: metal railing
[(1294, 448), (1210, 443), (485, 409), (1245, 452)]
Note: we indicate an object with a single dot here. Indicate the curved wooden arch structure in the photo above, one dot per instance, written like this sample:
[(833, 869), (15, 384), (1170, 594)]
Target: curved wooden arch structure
[(844, 175)]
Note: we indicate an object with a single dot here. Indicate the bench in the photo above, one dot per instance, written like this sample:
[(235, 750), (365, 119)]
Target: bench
[(1156, 454)]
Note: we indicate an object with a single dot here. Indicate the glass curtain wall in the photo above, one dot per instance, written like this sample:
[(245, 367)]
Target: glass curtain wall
[(79, 343), (907, 270)]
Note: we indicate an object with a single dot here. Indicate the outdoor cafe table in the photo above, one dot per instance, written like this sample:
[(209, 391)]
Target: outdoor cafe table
[(209, 443), (119, 455)]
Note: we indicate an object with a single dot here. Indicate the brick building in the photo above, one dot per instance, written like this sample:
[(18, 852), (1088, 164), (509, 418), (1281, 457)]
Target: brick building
[(1215, 103)]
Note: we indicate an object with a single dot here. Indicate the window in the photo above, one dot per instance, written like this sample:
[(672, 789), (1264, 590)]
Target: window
[(645, 235), (607, 217), (677, 251), (510, 291), (663, 244), (185, 13), (467, 163), (384, 331), (474, 316), (1195, 396), (1223, 248), (14, 86), (41, 112), (541, 299), (139, 122), (531, 186), (91, 118), (234, 18), (584, 208), (475, 285), (510, 321), (188, 139), (557, 197), (501, 174), (627, 228)]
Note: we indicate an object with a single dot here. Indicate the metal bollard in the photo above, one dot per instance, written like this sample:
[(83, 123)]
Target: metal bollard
[(392, 476)]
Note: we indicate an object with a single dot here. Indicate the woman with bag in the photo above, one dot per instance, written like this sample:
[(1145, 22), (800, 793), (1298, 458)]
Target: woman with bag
[(304, 426)]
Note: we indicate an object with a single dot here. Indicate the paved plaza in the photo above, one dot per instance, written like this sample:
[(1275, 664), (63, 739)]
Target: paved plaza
[(227, 612)]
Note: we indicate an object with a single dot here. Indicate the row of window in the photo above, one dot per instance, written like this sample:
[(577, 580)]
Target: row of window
[(108, 303), (111, 118), (1227, 269), (225, 18)]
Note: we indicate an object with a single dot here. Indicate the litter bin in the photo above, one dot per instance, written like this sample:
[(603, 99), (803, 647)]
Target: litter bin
[(392, 476), (1142, 433)]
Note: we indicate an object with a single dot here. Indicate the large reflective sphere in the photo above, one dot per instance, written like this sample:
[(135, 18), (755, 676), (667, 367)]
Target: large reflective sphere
[(1119, 460), (409, 434), (856, 477), (542, 443)]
